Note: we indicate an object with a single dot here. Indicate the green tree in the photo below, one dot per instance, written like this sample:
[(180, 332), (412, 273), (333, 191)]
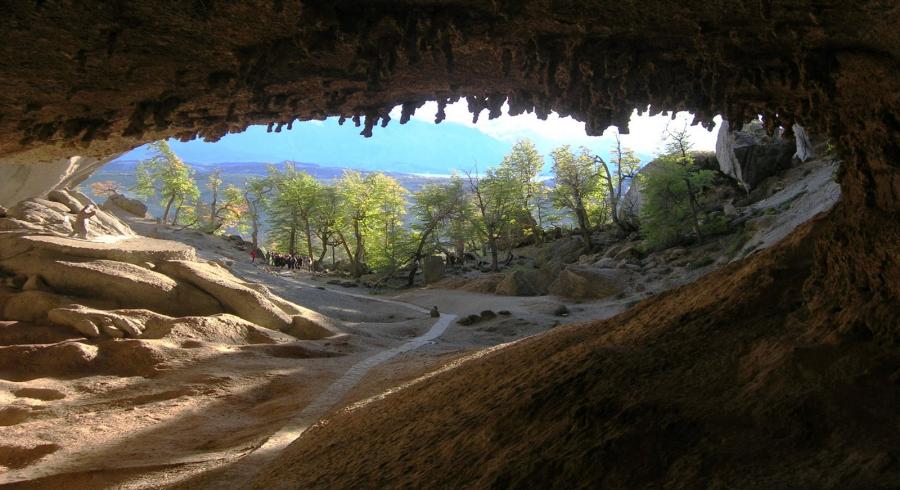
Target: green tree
[(325, 221), (371, 209), (577, 180), (495, 199), (625, 166), (521, 166), (434, 206), (293, 206), (256, 194), (165, 175), (671, 191)]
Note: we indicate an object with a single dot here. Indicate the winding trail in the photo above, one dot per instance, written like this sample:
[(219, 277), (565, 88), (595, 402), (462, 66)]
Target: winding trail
[(246, 468)]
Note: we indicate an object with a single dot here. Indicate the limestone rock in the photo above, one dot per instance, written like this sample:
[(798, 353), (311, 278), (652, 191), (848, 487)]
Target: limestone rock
[(235, 297), (92, 322), (522, 283), (24, 362), (32, 306), (131, 206), (64, 197), (750, 155), (578, 283), (126, 285)]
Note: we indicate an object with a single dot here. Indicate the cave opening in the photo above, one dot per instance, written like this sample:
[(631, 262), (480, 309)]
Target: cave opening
[(780, 368)]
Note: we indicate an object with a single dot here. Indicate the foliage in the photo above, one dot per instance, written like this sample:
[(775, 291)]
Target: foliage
[(577, 186), (372, 208), (296, 196), (667, 216), (165, 175)]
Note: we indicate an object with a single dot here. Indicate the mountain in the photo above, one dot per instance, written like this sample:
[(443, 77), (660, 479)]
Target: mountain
[(416, 147)]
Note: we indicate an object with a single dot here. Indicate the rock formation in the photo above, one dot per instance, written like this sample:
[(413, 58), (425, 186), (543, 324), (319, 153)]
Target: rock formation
[(119, 285), (749, 155), (779, 371)]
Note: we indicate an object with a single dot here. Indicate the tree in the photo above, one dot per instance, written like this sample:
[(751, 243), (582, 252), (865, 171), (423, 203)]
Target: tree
[(326, 219), (256, 200), (230, 210), (494, 198), (164, 174), (521, 166), (671, 192), (576, 180), (433, 207), (293, 206), (213, 183), (371, 208), (626, 165)]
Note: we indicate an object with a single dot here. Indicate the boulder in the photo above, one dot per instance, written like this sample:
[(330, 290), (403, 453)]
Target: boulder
[(32, 306), (629, 207), (64, 197), (237, 298), (576, 283), (126, 285), (522, 283), (803, 143), (432, 269), (749, 155), (130, 206)]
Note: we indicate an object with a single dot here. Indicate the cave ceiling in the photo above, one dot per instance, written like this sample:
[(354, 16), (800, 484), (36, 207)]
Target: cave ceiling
[(97, 78)]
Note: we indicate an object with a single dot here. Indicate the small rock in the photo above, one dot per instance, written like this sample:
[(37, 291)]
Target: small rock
[(561, 310), (488, 315), (504, 312)]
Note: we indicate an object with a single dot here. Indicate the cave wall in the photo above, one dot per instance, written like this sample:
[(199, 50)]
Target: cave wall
[(97, 78)]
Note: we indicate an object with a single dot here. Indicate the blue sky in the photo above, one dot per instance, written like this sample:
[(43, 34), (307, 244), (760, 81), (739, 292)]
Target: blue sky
[(421, 146)]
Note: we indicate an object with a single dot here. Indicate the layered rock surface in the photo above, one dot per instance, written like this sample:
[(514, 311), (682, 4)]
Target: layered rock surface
[(124, 285)]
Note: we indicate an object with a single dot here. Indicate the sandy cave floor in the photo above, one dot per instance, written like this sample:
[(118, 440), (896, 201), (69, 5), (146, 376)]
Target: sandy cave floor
[(192, 420)]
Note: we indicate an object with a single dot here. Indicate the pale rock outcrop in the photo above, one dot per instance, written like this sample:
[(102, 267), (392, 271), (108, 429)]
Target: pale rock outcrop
[(23, 178), (133, 207), (749, 155), (228, 290), (32, 306), (126, 285), (805, 151)]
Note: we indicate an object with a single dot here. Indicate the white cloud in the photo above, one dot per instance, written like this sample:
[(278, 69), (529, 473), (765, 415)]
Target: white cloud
[(646, 133)]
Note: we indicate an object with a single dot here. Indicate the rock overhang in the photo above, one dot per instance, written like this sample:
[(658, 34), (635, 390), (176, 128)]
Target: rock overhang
[(107, 77)]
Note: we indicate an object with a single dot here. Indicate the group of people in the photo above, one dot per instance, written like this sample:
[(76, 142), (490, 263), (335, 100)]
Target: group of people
[(281, 260)]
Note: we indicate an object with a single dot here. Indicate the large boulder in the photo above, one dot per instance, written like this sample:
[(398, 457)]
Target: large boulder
[(578, 283), (522, 283), (750, 155), (629, 208), (237, 298), (118, 202), (122, 284), (432, 269)]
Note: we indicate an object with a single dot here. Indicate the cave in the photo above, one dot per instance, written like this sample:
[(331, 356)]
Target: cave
[(781, 371)]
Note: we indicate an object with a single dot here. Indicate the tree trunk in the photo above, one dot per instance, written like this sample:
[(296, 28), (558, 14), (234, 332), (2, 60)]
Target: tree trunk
[(414, 266), (492, 244), (581, 214), (309, 247), (694, 211), (168, 207)]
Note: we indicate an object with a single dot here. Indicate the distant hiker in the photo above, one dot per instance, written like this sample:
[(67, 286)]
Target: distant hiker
[(434, 312), (252, 256), (80, 227)]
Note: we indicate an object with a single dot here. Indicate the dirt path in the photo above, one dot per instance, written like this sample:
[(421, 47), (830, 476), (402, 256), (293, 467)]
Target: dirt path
[(245, 469)]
